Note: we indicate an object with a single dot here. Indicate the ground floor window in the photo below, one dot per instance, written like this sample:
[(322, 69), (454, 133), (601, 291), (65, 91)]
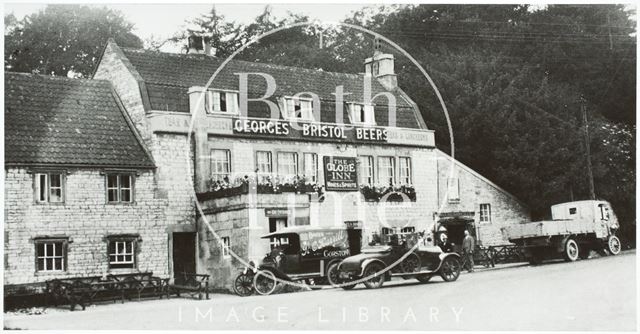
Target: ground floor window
[(121, 251), (226, 247), (51, 255)]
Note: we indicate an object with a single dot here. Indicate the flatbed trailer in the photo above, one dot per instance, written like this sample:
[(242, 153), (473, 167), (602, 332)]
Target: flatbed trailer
[(576, 229)]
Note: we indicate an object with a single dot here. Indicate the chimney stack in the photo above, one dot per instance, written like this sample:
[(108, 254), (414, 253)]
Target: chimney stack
[(381, 66), (196, 44)]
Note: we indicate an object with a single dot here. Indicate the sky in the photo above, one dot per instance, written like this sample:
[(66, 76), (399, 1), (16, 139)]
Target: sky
[(162, 20)]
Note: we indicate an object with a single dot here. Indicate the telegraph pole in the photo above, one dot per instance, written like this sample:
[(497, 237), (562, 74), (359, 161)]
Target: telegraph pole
[(592, 191)]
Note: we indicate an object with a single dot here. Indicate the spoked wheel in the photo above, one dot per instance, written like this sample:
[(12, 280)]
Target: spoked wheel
[(571, 250), (614, 245), (410, 264), (264, 282), (332, 274), (423, 278), (243, 285), (450, 269), (377, 278)]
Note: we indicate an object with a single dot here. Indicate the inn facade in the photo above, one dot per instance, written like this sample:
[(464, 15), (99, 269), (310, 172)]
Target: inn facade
[(319, 149), (355, 153)]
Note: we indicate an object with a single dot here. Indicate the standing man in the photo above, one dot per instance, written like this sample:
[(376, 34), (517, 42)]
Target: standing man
[(468, 244)]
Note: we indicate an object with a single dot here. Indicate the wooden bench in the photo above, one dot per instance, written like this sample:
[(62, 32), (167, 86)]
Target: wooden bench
[(191, 284), (85, 290)]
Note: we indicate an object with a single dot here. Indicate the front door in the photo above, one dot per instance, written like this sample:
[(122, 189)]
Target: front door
[(184, 254)]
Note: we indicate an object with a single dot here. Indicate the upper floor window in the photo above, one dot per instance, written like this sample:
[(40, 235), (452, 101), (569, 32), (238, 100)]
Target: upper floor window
[(287, 164), (485, 213), (119, 188), (311, 167), (121, 251), (221, 102), (264, 165), (49, 187), (366, 169), (386, 170), (405, 170), (453, 189), (220, 165), (298, 109), (362, 114), (51, 254)]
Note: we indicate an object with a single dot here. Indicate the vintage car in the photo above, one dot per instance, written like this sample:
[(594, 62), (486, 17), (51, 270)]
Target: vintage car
[(408, 258), (305, 254)]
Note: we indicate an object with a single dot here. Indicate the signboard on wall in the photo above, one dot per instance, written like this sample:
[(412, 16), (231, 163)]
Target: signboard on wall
[(340, 173)]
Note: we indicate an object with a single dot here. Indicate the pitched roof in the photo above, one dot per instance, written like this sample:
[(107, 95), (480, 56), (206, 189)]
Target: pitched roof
[(68, 122), (167, 77)]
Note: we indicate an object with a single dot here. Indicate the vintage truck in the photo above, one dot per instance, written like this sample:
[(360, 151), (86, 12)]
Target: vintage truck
[(575, 230)]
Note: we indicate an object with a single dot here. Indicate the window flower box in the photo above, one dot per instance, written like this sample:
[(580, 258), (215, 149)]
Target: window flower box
[(277, 185), (377, 193)]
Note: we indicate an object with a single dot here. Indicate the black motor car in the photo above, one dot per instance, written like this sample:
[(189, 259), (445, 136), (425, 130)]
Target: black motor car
[(408, 258)]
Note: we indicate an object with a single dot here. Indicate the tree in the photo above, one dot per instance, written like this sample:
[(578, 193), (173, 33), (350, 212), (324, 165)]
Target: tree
[(64, 40)]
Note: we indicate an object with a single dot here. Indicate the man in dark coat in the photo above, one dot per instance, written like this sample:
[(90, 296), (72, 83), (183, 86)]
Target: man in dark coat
[(468, 244)]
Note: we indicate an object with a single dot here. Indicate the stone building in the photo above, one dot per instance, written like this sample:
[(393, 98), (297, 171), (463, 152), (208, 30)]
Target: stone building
[(80, 186), (258, 167)]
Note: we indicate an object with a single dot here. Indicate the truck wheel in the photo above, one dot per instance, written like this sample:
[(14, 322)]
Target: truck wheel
[(373, 270), (613, 245), (536, 257), (571, 250), (584, 253), (332, 274)]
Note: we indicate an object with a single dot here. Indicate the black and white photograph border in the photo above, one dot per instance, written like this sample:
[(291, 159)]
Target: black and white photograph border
[(316, 166)]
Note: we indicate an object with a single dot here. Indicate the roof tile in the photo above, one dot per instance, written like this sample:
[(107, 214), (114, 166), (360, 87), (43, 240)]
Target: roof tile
[(62, 121)]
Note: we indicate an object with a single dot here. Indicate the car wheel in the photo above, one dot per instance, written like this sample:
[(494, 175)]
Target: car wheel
[(332, 274), (571, 250), (450, 269), (423, 278), (410, 264), (264, 282), (613, 245), (376, 278), (243, 285)]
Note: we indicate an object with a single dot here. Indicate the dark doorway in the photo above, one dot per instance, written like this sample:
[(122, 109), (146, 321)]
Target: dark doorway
[(355, 241), (184, 254), (455, 232)]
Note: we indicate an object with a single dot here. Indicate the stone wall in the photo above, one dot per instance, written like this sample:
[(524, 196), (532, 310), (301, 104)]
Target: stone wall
[(86, 219), (475, 190)]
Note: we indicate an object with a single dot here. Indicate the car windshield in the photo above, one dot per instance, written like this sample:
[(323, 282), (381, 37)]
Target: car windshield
[(376, 249)]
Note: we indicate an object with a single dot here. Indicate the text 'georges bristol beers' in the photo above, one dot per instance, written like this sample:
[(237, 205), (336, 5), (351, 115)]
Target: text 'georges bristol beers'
[(324, 131)]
